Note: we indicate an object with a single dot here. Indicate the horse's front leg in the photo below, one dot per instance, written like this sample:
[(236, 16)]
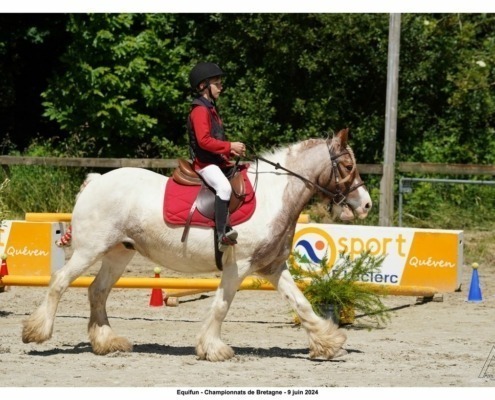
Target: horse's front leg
[(209, 344), (38, 327), (325, 338)]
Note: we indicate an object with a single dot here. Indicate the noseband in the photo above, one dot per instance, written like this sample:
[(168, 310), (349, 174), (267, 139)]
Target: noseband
[(338, 196)]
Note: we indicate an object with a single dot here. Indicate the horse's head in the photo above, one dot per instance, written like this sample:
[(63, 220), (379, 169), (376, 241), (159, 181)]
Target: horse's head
[(348, 195)]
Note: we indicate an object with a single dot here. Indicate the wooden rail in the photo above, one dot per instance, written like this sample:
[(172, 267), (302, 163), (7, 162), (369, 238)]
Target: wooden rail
[(446, 169), (89, 162), (155, 163)]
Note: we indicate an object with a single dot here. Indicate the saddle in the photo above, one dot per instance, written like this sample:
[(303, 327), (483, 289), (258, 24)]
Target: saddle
[(184, 174), (187, 191)]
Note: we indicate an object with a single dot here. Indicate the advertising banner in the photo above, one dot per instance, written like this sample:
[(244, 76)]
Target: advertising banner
[(30, 247), (413, 257)]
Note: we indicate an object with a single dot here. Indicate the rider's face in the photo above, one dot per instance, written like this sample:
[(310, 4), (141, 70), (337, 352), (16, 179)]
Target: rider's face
[(216, 87)]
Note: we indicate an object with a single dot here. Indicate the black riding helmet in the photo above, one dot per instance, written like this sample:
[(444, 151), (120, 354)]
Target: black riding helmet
[(203, 71)]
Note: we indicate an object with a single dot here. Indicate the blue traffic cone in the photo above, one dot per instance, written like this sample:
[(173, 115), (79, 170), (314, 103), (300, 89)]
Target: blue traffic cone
[(475, 289)]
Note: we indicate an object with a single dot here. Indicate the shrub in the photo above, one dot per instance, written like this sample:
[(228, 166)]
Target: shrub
[(3, 207), (340, 285)]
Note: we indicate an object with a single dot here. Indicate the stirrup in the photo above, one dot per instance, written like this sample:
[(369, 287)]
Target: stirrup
[(227, 239)]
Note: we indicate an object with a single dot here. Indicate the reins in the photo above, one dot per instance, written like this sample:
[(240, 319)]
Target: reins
[(278, 166), (338, 197)]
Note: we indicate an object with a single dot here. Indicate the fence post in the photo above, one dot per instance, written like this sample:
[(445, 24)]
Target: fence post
[(386, 216)]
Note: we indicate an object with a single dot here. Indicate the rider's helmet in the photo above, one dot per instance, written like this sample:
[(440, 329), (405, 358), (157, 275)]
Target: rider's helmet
[(202, 72)]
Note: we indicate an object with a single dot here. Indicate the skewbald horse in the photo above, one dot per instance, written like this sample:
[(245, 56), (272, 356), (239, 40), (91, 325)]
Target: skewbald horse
[(120, 212)]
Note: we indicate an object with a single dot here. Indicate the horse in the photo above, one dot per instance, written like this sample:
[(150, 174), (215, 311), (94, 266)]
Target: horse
[(120, 213)]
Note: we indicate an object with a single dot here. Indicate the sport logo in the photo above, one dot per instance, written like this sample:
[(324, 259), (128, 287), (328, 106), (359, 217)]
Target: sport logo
[(313, 245)]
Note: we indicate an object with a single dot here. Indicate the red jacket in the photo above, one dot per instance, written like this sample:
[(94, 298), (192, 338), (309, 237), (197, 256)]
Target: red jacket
[(200, 120)]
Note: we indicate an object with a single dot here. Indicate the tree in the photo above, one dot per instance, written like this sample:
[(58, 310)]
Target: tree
[(446, 99), (30, 45), (124, 84), (303, 75), (124, 89)]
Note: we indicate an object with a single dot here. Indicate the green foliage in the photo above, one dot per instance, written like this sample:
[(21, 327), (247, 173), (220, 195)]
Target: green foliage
[(40, 189), (124, 82), (121, 86), (4, 211), (449, 206), (479, 246), (33, 188), (447, 102), (430, 206), (341, 285), (29, 48), (295, 78)]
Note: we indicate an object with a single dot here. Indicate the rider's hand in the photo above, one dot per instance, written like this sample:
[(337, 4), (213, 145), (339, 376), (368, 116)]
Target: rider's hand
[(238, 149)]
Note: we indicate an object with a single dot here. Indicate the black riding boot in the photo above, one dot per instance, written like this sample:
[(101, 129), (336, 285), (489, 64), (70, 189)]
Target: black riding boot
[(225, 238)]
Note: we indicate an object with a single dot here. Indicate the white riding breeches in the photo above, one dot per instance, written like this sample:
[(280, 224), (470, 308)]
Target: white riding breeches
[(214, 177)]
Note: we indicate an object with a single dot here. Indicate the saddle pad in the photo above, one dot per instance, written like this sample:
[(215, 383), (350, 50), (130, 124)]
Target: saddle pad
[(178, 201)]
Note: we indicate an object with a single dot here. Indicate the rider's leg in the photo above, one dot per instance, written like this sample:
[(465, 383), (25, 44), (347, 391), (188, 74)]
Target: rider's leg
[(215, 178), (226, 237)]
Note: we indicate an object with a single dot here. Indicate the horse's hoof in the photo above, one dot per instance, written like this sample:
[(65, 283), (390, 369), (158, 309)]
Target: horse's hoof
[(116, 344), (222, 352), (32, 337), (34, 331)]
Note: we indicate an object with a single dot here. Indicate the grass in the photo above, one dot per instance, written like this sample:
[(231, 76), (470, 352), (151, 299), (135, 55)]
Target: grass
[(4, 211), (479, 246), (39, 189)]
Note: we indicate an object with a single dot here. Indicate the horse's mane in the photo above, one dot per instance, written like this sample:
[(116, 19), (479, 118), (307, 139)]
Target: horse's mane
[(334, 145), (293, 147)]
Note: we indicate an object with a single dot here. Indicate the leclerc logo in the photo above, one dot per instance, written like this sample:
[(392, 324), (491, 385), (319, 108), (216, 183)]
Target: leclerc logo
[(313, 244)]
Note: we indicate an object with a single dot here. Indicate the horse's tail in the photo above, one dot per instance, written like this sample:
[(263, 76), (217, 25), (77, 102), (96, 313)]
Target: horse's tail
[(66, 238), (89, 177)]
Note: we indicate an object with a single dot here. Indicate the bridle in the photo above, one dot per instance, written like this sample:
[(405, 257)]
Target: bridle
[(339, 195)]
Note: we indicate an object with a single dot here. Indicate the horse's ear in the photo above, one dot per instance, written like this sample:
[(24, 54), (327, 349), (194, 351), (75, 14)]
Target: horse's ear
[(343, 136)]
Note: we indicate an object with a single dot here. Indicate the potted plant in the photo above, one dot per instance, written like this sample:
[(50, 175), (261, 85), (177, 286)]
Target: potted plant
[(337, 291)]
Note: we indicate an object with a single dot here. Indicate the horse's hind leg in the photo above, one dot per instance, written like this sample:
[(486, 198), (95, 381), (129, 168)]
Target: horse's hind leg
[(325, 339), (38, 327), (102, 338)]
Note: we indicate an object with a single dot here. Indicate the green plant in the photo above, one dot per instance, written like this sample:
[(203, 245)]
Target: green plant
[(39, 188), (449, 206), (34, 188), (123, 84), (3, 207), (340, 285)]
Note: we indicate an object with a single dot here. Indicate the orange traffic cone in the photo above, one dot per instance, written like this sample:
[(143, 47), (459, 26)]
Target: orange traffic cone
[(156, 299), (4, 270)]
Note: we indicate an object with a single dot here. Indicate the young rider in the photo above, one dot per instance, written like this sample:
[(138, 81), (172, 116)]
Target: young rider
[(210, 150)]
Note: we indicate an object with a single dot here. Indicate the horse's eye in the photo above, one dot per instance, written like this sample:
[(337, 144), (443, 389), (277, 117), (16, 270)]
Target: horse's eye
[(348, 168)]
